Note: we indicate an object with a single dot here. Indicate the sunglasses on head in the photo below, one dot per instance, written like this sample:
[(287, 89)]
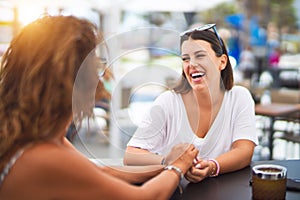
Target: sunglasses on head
[(204, 28)]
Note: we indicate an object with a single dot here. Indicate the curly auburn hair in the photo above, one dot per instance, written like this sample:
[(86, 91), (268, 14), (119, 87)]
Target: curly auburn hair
[(37, 80)]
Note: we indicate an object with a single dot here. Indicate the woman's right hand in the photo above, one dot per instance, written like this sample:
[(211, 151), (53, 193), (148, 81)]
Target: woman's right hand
[(182, 156)]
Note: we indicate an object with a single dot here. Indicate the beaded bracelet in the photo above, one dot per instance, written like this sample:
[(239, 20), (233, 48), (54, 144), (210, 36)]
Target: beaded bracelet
[(218, 168)]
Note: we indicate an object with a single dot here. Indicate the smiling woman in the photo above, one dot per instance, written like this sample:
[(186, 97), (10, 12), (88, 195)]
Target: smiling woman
[(204, 109)]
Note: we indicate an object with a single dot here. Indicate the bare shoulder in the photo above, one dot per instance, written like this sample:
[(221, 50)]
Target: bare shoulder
[(56, 171)]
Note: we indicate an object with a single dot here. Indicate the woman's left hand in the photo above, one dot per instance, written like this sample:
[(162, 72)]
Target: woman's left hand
[(199, 171)]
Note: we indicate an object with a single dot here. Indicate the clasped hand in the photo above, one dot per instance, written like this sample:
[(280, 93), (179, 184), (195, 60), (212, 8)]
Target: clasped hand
[(182, 155), (198, 169)]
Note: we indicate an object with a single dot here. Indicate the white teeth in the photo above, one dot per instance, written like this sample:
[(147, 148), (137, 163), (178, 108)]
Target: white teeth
[(198, 74)]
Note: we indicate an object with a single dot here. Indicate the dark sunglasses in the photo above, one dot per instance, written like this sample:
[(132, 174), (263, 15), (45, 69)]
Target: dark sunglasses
[(204, 28)]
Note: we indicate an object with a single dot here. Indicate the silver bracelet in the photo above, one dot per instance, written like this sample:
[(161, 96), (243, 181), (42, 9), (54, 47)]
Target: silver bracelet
[(176, 169)]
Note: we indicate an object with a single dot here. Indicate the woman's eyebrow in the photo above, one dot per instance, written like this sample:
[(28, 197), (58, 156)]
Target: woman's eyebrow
[(200, 51), (196, 52), (184, 54)]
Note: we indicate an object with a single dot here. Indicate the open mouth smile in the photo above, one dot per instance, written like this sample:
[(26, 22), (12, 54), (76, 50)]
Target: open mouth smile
[(197, 75)]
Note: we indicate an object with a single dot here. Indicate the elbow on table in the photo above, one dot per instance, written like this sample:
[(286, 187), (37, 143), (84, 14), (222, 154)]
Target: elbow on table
[(246, 161), (244, 150)]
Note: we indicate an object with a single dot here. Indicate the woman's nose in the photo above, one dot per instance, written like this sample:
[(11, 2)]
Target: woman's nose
[(192, 63)]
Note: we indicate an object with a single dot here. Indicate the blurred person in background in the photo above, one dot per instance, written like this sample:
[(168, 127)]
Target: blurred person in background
[(273, 66), (205, 109), (274, 57), (247, 63), (38, 80)]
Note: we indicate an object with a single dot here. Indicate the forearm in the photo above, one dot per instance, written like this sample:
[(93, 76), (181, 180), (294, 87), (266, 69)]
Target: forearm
[(136, 156), (158, 188), (237, 158), (133, 174)]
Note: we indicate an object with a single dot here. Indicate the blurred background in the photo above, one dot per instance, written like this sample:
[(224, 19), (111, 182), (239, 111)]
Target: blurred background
[(142, 36)]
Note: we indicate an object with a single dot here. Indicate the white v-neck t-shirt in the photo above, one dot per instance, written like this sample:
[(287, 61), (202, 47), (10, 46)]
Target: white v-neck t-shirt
[(166, 124)]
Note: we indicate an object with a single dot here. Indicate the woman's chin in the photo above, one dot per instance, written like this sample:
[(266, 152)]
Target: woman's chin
[(199, 87)]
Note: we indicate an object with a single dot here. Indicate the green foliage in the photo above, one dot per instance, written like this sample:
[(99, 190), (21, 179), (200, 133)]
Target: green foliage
[(283, 13), (280, 12), (218, 13)]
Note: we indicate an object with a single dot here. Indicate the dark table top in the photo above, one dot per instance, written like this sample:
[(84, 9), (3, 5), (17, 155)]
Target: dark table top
[(233, 186)]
